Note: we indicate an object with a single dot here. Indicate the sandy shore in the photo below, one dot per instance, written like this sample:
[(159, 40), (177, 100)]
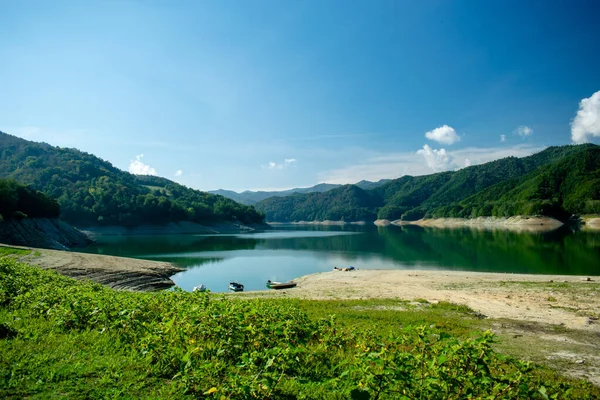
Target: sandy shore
[(570, 301), (115, 272), (591, 223), (326, 223), (517, 223)]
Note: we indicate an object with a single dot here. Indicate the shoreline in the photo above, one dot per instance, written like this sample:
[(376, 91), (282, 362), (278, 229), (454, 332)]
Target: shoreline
[(515, 223), (115, 272), (562, 300), (326, 222), (183, 228)]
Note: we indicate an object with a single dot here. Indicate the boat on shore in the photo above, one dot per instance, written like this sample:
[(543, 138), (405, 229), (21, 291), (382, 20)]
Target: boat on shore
[(201, 288), (350, 268), (236, 287), (280, 285)]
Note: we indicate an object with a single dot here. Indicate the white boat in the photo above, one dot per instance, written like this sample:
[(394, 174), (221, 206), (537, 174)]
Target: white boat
[(201, 288)]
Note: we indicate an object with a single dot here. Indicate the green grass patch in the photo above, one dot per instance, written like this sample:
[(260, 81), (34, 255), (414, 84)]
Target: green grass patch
[(73, 339), (12, 251)]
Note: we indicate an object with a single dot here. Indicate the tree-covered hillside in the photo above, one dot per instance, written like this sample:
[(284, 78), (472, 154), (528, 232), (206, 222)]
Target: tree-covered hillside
[(91, 191), (250, 198), (557, 181), (19, 201), (560, 189), (347, 203)]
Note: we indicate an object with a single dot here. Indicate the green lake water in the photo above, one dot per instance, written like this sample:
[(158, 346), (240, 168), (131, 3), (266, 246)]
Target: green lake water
[(287, 252)]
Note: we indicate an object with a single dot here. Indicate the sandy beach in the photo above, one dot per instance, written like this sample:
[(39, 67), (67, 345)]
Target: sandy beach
[(570, 301)]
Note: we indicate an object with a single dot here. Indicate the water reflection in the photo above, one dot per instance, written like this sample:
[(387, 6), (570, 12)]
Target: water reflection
[(291, 251)]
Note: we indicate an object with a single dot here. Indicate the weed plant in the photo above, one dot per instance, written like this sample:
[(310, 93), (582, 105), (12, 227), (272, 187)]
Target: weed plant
[(65, 338)]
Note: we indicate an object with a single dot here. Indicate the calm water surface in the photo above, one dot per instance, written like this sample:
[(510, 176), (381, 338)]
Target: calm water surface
[(291, 251)]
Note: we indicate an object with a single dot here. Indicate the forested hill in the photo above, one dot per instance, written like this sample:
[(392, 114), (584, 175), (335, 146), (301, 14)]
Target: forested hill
[(250, 197), (19, 201), (557, 182), (93, 192)]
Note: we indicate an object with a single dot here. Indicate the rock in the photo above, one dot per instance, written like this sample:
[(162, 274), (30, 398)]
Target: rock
[(580, 362), (115, 272)]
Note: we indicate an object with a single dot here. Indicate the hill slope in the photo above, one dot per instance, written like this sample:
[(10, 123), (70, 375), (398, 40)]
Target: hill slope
[(93, 192), (443, 194), (250, 197)]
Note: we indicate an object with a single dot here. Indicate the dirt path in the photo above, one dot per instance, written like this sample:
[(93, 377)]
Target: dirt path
[(115, 272)]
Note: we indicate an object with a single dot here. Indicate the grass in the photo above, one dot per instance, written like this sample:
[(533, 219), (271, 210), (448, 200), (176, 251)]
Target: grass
[(390, 316), (12, 251), (65, 338)]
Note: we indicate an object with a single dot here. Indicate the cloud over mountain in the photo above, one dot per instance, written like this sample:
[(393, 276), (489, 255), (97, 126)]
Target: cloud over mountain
[(437, 160), (137, 167), (587, 121)]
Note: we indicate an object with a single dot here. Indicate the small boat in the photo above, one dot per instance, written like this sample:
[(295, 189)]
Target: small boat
[(201, 288), (280, 285), (236, 287), (350, 268)]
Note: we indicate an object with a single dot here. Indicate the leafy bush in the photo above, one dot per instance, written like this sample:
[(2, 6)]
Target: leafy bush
[(200, 345)]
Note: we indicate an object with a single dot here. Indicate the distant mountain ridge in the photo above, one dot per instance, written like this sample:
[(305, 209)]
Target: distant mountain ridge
[(92, 192), (249, 197), (557, 182)]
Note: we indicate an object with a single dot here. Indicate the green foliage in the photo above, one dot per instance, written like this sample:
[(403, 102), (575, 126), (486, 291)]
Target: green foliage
[(347, 203), (556, 182), (78, 339), (568, 186), (12, 251), (91, 191), (19, 201)]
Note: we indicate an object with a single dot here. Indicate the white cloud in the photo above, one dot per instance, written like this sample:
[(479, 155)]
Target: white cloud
[(395, 165), (444, 134), (523, 131), (502, 138), (178, 172), (137, 167), (587, 121), (437, 160), (467, 162), (288, 162)]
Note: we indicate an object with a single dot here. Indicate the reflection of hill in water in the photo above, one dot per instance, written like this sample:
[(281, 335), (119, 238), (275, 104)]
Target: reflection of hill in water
[(141, 245), (556, 252), (189, 262)]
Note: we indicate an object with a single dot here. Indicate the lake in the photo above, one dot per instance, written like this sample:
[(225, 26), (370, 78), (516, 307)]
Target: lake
[(290, 251)]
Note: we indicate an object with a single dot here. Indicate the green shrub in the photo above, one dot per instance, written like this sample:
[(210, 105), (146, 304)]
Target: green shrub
[(73, 338)]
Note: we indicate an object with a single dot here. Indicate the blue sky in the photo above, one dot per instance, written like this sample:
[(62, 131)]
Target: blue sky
[(280, 94)]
